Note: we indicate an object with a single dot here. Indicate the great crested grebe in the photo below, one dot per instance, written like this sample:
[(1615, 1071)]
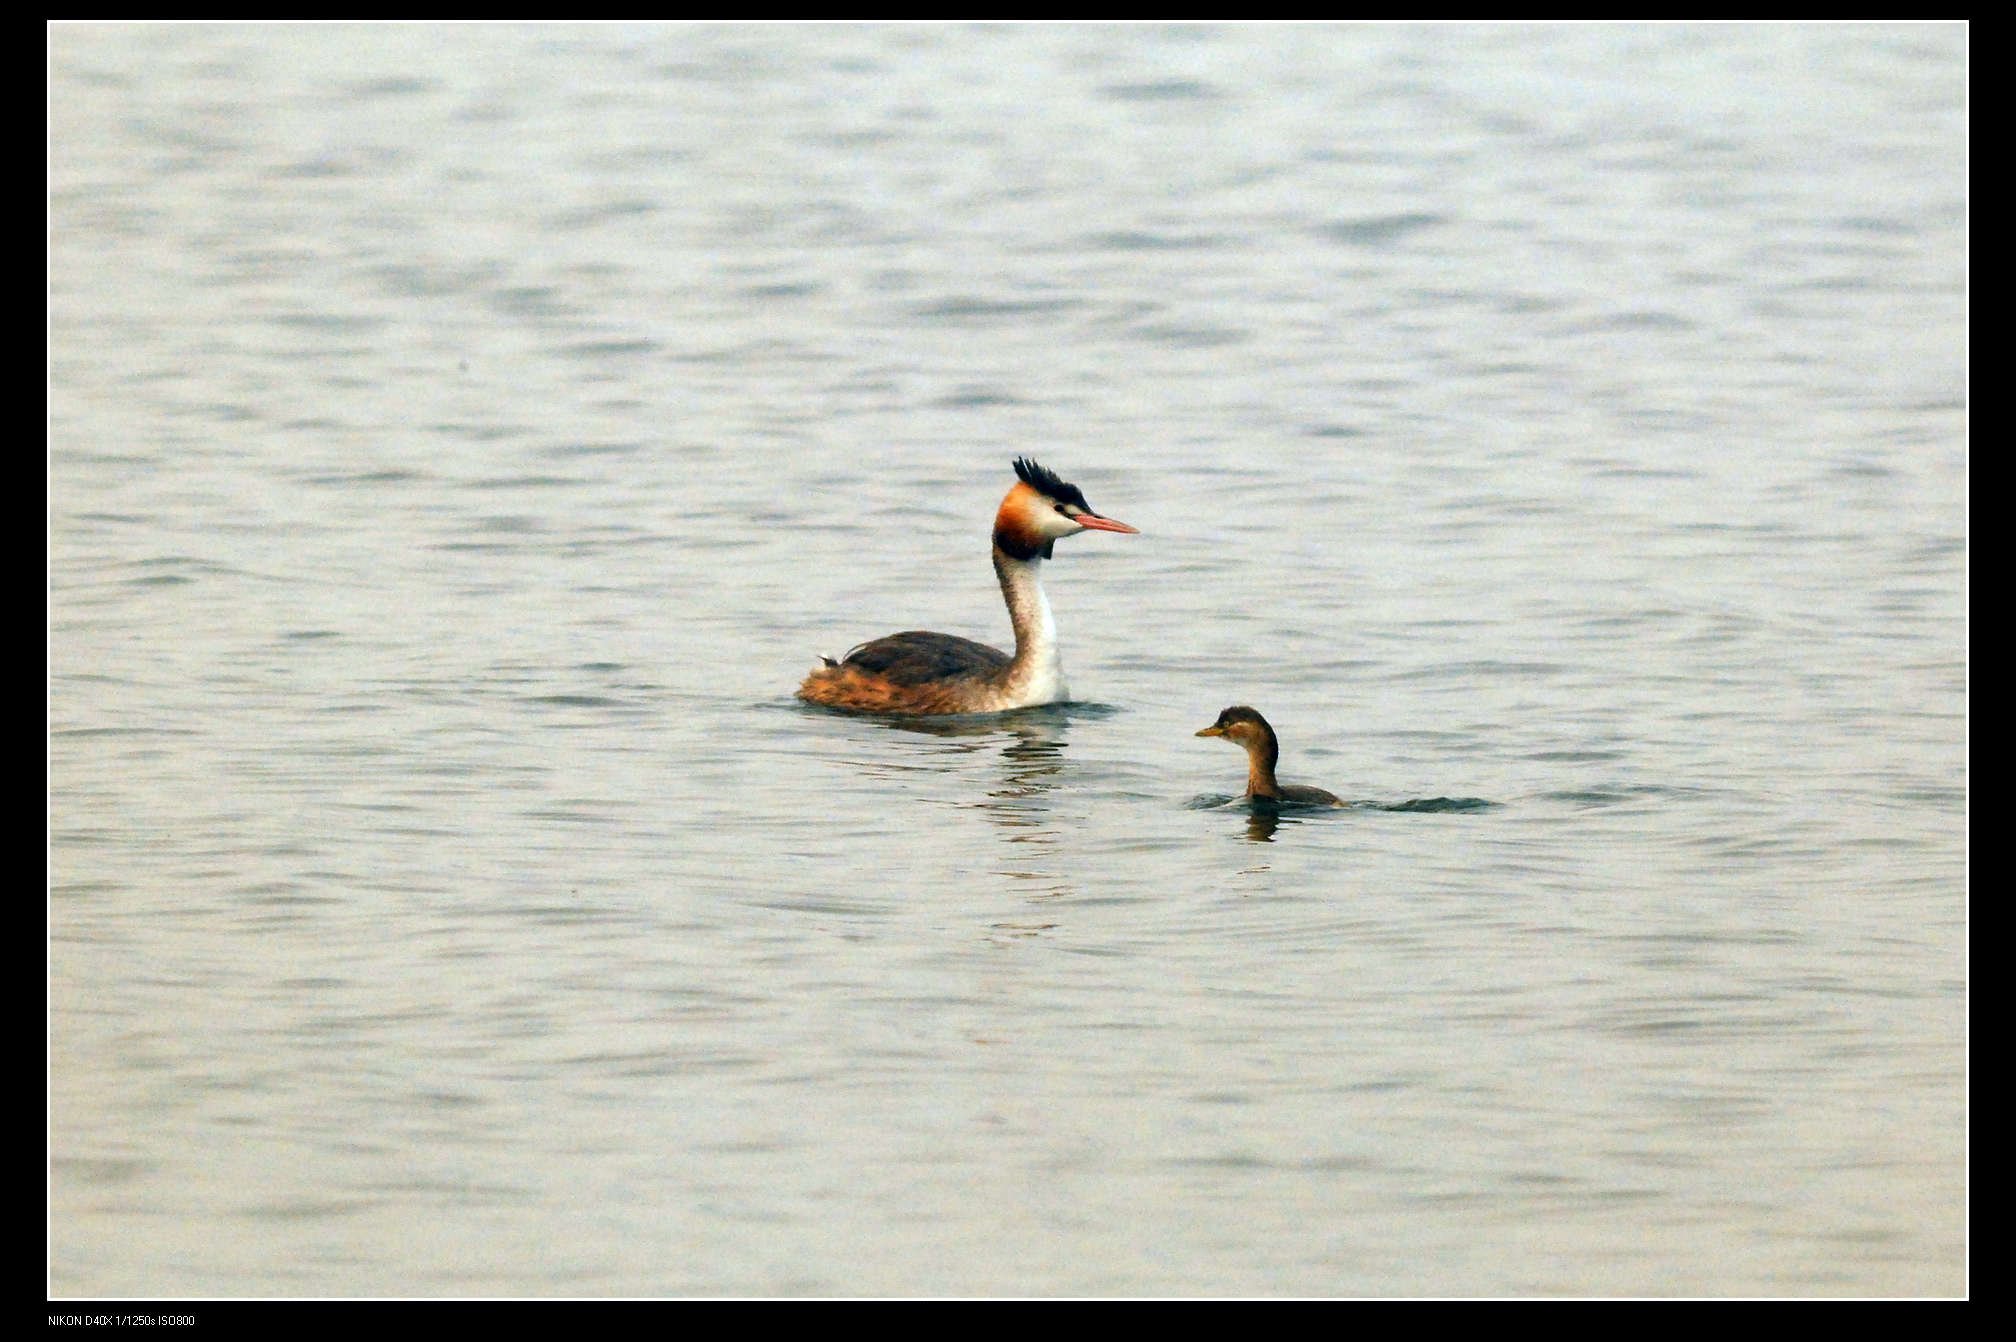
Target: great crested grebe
[(919, 672), (1243, 726)]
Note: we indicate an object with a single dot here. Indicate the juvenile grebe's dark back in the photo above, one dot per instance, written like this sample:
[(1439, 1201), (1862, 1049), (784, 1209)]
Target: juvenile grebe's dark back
[(918, 672)]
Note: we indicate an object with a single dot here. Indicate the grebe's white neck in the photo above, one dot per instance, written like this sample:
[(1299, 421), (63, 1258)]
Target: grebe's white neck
[(1036, 676)]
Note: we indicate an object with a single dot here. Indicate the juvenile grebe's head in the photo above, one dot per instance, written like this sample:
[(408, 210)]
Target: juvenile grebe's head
[(1041, 510), (1242, 726)]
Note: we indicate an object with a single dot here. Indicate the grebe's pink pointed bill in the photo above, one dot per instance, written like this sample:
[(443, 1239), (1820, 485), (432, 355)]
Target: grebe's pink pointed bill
[(1094, 522)]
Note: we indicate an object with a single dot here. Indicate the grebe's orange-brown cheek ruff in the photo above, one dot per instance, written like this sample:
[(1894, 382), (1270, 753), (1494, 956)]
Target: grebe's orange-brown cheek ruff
[(1243, 726), (919, 672)]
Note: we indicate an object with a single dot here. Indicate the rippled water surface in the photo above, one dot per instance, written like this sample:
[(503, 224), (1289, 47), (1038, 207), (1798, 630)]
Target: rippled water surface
[(463, 439)]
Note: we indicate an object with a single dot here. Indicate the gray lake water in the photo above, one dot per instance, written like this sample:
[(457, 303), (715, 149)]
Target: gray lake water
[(463, 439)]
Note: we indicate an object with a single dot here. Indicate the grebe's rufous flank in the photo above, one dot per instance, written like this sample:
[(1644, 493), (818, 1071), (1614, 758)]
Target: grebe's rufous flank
[(919, 672), (1245, 727)]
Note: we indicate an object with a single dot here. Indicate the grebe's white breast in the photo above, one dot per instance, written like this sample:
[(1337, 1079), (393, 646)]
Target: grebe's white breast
[(1040, 678)]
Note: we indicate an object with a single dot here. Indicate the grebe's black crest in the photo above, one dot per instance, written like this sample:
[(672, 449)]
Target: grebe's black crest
[(1241, 713), (1045, 479)]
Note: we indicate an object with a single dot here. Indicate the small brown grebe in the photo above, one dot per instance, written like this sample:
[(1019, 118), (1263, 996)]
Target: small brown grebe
[(919, 672), (1242, 726)]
